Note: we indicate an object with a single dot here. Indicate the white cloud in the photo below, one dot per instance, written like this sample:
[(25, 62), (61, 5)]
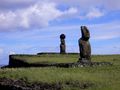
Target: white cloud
[(104, 37), (38, 15), (72, 11), (105, 31), (94, 13), (108, 6), (12, 52), (7, 20), (86, 4), (23, 14), (102, 31)]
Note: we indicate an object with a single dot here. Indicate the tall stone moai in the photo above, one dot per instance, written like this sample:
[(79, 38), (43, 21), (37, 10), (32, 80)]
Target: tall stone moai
[(84, 46), (62, 44)]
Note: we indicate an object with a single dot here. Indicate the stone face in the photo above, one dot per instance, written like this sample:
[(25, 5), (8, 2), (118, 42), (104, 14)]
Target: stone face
[(84, 45), (62, 44)]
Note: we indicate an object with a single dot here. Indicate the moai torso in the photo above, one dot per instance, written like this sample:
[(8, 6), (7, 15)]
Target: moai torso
[(84, 45), (62, 44)]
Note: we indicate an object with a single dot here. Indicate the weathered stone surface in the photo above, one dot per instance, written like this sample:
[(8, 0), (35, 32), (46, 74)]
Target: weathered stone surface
[(84, 46), (62, 44)]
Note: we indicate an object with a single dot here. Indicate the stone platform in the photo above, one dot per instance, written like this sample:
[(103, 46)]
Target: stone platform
[(17, 62)]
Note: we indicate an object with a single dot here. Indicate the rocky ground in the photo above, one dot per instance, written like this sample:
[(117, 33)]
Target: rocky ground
[(10, 84)]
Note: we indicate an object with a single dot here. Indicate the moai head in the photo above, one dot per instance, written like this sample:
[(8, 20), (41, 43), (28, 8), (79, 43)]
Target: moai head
[(62, 37), (85, 33), (62, 44)]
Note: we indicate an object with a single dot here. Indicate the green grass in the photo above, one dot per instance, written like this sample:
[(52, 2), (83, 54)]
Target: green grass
[(102, 78), (47, 58)]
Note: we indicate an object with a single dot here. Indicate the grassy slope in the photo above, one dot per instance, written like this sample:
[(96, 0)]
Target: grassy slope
[(103, 78)]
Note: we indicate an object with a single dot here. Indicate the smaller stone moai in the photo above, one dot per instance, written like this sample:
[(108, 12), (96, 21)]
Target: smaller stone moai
[(84, 46), (62, 44)]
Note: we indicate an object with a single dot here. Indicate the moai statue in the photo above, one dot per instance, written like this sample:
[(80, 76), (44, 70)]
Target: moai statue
[(84, 46), (62, 44)]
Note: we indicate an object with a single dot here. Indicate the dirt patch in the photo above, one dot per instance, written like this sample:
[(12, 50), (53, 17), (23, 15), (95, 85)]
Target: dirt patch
[(81, 85), (10, 84)]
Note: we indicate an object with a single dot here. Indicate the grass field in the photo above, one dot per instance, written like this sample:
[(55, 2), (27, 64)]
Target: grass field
[(46, 58), (99, 77)]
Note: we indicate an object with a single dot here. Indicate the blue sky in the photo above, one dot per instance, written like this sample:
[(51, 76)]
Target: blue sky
[(32, 26)]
